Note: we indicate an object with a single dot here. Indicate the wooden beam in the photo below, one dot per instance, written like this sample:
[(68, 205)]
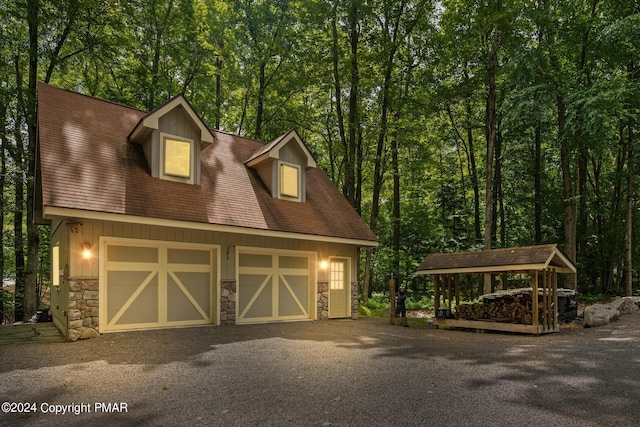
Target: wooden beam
[(546, 318), (556, 323), (491, 326), (436, 292)]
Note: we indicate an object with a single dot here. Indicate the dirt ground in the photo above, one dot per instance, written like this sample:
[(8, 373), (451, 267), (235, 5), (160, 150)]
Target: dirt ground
[(328, 373)]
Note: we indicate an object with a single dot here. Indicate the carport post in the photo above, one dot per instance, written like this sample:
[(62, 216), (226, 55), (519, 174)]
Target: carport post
[(436, 292)]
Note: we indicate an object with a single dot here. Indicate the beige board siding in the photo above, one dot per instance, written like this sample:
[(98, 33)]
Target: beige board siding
[(177, 122), (91, 231), (291, 153), (266, 173), (59, 294)]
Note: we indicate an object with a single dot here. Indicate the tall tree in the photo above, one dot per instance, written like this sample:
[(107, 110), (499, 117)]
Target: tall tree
[(493, 38)]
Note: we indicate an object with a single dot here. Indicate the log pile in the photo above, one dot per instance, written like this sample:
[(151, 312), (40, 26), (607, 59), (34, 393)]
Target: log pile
[(504, 308)]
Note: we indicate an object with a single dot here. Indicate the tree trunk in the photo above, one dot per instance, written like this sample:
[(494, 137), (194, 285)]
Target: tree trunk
[(569, 203), (537, 185), (336, 76), (160, 27), (260, 108), (18, 208), (473, 171), (366, 280), (630, 200), (31, 272), (567, 192), (396, 207), (3, 175), (498, 202), (349, 176), (218, 92), (492, 65), (499, 191)]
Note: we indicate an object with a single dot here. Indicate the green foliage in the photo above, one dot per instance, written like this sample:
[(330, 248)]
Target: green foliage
[(426, 62), (6, 306), (378, 301), (423, 303)]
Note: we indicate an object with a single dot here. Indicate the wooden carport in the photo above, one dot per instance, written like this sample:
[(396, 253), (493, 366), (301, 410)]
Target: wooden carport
[(542, 263)]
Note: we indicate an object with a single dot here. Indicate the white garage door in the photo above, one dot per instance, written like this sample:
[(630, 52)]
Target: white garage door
[(150, 284), (274, 286)]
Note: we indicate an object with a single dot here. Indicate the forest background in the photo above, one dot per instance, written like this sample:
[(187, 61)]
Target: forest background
[(449, 125)]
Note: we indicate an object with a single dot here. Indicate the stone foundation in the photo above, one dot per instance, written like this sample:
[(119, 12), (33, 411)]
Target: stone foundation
[(84, 306), (84, 309), (355, 295), (323, 301), (228, 302)]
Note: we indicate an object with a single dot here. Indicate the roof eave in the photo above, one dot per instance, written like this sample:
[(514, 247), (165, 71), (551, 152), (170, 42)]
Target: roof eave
[(51, 212), (496, 269)]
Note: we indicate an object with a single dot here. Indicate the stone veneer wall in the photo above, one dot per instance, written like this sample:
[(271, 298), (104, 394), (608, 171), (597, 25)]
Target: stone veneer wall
[(355, 299), (323, 300), (84, 307), (228, 302)]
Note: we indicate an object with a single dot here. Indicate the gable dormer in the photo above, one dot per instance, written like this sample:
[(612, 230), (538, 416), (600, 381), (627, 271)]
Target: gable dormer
[(282, 166), (172, 137)]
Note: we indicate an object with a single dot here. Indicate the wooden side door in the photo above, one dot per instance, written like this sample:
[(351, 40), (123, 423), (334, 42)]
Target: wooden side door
[(339, 289)]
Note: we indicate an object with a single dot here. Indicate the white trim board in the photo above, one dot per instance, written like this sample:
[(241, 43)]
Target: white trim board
[(79, 214)]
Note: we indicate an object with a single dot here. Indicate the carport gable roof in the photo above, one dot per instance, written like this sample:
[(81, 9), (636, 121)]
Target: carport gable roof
[(498, 261)]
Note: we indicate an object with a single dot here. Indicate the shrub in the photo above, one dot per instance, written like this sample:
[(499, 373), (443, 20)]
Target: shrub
[(424, 303), (378, 301)]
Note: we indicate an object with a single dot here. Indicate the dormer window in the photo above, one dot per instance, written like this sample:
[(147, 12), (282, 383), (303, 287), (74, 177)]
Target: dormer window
[(172, 138), (289, 181), (282, 166), (177, 156)]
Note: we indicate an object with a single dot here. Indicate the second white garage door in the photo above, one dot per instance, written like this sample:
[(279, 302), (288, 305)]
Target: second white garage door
[(274, 286)]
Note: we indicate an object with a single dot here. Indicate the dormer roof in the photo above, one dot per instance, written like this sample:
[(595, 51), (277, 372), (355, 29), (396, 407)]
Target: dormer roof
[(272, 150), (150, 122)]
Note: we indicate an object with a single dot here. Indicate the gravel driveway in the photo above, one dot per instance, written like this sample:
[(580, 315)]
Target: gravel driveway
[(332, 373)]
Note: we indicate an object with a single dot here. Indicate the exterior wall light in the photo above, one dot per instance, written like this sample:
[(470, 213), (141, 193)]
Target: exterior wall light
[(86, 250), (324, 264)]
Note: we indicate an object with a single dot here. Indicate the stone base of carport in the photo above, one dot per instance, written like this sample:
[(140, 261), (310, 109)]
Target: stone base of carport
[(84, 306)]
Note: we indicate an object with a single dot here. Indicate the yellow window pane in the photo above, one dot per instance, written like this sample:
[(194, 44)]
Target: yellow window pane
[(337, 275), (55, 266), (289, 181), (177, 158)]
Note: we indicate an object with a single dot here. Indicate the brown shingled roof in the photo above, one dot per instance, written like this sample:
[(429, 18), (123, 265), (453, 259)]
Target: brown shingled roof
[(87, 164), (498, 260)]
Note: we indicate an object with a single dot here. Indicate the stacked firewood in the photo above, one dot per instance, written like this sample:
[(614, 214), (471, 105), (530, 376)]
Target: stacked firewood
[(507, 308)]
